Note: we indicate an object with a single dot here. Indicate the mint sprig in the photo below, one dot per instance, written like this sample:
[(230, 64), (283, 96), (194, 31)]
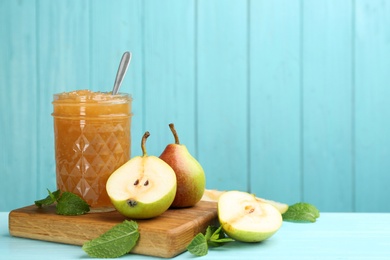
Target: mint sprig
[(50, 199), (301, 212), (71, 204), (117, 241), (68, 203), (213, 237)]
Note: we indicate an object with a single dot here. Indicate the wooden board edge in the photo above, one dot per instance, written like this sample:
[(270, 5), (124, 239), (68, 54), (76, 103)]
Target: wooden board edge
[(21, 222)]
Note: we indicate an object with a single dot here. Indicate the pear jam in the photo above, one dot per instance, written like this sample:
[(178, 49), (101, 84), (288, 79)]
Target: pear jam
[(92, 139)]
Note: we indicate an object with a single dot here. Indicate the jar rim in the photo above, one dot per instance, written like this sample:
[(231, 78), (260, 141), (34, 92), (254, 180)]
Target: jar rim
[(90, 97)]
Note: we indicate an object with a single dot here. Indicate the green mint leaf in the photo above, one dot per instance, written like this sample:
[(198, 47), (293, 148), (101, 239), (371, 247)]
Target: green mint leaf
[(219, 238), (210, 231), (117, 241), (198, 245), (214, 237), (54, 195), (71, 204), (67, 203), (50, 199), (218, 233), (219, 242), (301, 212)]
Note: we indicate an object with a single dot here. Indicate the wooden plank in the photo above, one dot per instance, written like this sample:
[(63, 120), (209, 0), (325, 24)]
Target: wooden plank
[(327, 105), (47, 47), (18, 103), (222, 93), (169, 74), (64, 30), (372, 114), (116, 27), (63, 65), (164, 236), (275, 96)]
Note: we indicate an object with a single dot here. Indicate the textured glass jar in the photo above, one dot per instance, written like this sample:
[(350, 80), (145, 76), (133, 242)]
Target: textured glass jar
[(92, 139)]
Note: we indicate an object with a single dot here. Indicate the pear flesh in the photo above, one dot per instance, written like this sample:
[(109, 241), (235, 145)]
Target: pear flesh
[(213, 195), (191, 180), (144, 187), (245, 218)]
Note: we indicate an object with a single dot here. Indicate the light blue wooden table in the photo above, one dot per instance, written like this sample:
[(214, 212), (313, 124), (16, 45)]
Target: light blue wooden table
[(333, 236)]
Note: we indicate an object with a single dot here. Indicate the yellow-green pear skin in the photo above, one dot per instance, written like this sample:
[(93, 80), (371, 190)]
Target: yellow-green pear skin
[(246, 219), (142, 188), (190, 176)]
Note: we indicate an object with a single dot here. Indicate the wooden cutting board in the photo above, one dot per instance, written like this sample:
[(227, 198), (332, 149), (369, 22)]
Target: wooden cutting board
[(164, 236)]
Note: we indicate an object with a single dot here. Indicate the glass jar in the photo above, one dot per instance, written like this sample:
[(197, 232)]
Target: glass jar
[(92, 139)]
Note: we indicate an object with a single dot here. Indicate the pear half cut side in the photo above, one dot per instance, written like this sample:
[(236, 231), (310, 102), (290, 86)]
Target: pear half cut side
[(245, 218)]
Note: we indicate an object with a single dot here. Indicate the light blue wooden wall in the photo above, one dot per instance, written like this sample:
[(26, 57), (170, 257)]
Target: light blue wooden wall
[(288, 99)]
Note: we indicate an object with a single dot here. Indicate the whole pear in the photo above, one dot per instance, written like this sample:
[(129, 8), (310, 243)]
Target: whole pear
[(190, 176)]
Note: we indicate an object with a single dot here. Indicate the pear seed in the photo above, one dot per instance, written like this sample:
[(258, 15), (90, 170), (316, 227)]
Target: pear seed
[(146, 183), (136, 182), (249, 208)]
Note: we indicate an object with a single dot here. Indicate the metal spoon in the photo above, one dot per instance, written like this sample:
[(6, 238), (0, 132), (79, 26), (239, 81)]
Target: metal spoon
[(123, 65)]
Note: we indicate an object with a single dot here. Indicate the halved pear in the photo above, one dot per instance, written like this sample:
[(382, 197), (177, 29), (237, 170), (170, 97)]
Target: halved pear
[(247, 219), (144, 187)]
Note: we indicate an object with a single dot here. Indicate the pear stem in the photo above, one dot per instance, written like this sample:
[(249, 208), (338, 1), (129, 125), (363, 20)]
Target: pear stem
[(143, 143), (172, 127)]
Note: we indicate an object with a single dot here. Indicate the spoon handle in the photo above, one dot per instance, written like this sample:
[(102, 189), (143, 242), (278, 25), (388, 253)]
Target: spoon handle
[(126, 57)]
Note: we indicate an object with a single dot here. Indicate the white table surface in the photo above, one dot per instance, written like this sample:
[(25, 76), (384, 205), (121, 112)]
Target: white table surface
[(333, 236)]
